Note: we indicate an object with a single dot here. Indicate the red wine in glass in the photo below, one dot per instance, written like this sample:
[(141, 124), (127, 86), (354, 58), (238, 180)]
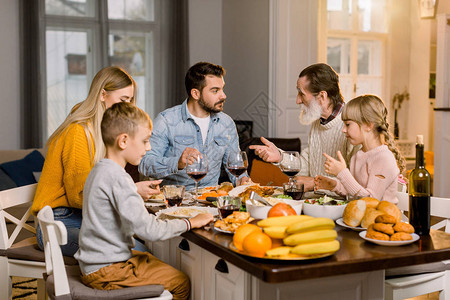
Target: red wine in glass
[(237, 171), (197, 176), (291, 173), (295, 193), (174, 201), (227, 210)]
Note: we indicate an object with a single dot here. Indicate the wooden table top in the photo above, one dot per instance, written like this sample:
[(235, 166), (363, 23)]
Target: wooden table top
[(356, 255)]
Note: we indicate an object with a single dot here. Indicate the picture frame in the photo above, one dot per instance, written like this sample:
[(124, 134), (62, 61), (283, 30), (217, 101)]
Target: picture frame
[(427, 8)]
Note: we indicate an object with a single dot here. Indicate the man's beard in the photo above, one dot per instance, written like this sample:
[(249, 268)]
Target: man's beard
[(311, 113), (210, 108)]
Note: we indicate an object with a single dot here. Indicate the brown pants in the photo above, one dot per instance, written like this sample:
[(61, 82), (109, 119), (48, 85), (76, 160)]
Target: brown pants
[(142, 269)]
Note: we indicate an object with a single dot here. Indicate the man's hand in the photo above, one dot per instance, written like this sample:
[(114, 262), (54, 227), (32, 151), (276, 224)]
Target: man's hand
[(325, 183), (245, 180), (201, 220), (268, 152), (148, 188), (333, 166), (184, 157), (308, 182)]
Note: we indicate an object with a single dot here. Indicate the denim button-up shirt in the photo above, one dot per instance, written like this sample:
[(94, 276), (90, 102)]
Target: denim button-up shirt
[(173, 131)]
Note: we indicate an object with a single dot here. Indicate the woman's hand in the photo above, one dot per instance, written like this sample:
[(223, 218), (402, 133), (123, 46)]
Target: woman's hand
[(333, 166), (268, 152), (201, 220), (148, 188)]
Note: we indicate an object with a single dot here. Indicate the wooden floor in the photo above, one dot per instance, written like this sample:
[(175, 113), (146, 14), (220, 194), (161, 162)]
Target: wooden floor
[(432, 296)]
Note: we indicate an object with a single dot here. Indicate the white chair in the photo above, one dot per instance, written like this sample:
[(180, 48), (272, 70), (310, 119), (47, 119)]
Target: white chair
[(60, 286), (419, 284), (22, 258)]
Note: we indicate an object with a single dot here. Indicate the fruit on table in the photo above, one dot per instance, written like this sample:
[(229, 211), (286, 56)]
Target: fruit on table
[(279, 251), (276, 232), (310, 237), (257, 243), (316, 248), (242, 232), (283, 221), (281, 209), (312, 224)]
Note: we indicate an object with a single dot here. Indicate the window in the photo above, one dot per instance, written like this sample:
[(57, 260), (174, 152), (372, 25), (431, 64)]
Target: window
[(82, 36), (355, 36)]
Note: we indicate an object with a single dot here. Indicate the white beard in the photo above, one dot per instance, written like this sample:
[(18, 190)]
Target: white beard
[(309, 114)]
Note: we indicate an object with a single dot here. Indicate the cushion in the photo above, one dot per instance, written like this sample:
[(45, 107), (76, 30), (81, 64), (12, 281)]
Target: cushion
[(79, 291), (21, 171), (6, 182), (417, 269), (31, 252), (37, 175)]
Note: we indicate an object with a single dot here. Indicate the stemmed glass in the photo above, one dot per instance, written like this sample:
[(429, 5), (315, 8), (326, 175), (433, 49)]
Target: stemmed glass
[(197, 170), (290, 165), (237, 163)]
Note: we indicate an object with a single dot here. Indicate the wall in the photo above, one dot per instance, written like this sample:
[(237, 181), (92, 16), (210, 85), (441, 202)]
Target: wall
[(10, 75)]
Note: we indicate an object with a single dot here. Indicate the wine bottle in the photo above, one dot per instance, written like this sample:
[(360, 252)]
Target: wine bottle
[(420, 192)]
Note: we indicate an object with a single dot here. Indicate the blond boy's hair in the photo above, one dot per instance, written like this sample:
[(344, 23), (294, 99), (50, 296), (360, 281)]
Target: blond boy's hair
[(122, 118)]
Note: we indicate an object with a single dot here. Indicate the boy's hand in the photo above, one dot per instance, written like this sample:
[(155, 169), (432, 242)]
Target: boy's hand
[(333, 166), (268, 152), (201, 220), (148, 188)]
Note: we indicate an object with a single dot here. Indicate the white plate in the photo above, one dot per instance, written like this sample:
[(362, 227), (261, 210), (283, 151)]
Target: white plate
[(221, 230), (415, 238), (340, 222), (187, 211), (239, 189)]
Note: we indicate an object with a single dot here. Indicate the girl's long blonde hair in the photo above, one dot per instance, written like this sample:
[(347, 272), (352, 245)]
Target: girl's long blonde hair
[(369, 109), (89, 112)]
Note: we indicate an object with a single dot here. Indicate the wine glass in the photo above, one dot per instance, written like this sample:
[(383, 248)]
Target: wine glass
[(290, 164), (197, 170), (237, 163)]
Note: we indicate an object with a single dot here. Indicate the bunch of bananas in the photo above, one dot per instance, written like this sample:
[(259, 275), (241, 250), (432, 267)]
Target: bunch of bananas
[(301, 235)]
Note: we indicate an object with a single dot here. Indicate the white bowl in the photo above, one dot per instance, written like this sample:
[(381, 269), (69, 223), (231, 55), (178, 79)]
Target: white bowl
[(333, 212), (260, 212)]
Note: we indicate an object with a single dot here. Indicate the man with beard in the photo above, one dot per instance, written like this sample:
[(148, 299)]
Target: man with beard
[(197, 126), (321, 103)]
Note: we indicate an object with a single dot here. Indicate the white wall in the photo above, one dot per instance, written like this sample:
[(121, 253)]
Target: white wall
[(10, 75)]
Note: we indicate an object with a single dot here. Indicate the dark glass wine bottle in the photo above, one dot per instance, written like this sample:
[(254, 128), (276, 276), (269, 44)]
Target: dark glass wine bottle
[(419, 193)]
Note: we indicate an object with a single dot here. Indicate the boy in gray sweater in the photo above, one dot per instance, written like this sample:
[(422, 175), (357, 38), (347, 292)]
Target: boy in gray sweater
[(113, 212)]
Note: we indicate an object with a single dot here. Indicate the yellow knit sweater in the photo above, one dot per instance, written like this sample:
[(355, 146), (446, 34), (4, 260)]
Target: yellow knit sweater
[(66, 167)]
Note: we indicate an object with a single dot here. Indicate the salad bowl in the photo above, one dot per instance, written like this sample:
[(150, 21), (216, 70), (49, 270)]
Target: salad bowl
[(325, 206)]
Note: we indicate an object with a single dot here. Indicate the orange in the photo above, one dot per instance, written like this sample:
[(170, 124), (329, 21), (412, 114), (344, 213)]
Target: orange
[(257, 243), (242, 232)]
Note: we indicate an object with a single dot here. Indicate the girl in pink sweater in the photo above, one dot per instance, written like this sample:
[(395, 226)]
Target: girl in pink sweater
[(375, 168)]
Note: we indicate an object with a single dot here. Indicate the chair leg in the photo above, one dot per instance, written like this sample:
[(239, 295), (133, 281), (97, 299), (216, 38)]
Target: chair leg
[(5, 280), (41, 291), (445, 293)]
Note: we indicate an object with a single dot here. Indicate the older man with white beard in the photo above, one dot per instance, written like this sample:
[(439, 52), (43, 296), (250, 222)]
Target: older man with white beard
[(321, 103)]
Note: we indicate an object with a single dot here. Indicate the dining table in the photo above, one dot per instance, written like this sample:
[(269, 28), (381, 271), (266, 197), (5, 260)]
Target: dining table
[(355, 271)]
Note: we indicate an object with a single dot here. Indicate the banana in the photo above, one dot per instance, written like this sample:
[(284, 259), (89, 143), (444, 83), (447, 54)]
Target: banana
[(276, 232), (310, 237), (316, 248), (279, 251), (311, 224), (283, 221)]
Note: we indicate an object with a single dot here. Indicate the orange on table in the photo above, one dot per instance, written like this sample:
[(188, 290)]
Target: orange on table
[(257, 243), (242, 232)]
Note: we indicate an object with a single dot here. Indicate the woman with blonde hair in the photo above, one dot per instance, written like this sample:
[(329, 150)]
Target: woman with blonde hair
[(75, 147), (374, 169)]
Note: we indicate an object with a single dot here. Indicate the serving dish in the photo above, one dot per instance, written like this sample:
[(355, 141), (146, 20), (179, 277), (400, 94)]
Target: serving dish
[(221, 230), (333, 212), (415, 238), (340, 222), (292, 257), (187, 211)]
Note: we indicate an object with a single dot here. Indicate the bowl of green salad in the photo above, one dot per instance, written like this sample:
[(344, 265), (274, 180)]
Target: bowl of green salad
[(325, 206)]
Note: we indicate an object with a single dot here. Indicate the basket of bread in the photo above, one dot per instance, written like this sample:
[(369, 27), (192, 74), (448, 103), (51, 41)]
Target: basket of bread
[(381, 219)]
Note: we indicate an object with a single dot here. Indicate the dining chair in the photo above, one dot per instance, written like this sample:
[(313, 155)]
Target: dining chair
[(60, 285), (407, 282)]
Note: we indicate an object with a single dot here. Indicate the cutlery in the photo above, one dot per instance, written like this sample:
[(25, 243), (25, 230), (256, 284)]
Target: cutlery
[(254, 196)]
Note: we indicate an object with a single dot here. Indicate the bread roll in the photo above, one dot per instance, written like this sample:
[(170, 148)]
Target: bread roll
[(354, 212), (371, 202), (390, 209), (369, 217)]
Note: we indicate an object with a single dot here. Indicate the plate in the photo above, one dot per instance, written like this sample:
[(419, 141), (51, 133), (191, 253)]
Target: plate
[(239, 189), (221, 230), (340, 222), (187, 211), (415, 238), (289, 258)]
